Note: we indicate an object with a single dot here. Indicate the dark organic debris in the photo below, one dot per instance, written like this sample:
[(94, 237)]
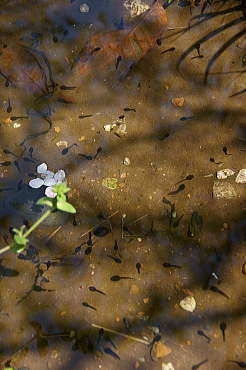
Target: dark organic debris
[(195, 225), (101, 231)]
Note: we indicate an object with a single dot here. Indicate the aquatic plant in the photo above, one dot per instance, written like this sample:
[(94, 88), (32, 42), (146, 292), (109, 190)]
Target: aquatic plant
[(47, 178), (56, 202)]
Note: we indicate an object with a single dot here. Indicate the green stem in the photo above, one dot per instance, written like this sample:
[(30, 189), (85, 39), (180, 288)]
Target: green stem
[(5, 249), (33, 227), (38, 222)]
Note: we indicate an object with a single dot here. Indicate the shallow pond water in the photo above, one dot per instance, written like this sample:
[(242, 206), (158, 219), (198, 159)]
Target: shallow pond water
[(200, 239)]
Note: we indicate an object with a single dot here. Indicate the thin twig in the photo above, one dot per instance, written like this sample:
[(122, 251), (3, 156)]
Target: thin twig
[(122, 334), (54, 233)]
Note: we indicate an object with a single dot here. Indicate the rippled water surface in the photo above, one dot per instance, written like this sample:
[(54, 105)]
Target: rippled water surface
[(123, 101)]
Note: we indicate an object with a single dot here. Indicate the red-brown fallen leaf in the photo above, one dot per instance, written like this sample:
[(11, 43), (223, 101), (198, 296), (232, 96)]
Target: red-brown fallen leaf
[(107, 52), (25, 68), (119, 50)]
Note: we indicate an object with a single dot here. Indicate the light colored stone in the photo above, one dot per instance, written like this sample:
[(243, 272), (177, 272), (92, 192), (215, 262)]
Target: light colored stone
[(241, 176), (223, 190), (178, 102), (167, 366), (136, 7), (84, 8), (160, 350), (223, 174), (188, 303), (127, 161), (62, 143)]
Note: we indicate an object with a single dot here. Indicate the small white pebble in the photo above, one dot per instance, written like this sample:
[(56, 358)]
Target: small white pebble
[(84, 8), (127, 161), (16, 125)]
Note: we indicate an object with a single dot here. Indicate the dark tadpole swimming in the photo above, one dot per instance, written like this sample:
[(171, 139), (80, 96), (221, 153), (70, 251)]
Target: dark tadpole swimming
[(88, 250), (186, 118), (213, 161), (101, 231), (16, 163), (85, 304), (118, 278), (223, 327), (9, 108), (202, 334), (5, 163), (65, 150), (115, 259), (110, 352), (118, 60), (7, 151), (15, 118), (225, 150), (180, 188), (74, 221), (167, 50), (90, 157), (82, 116), (63, 87), (217, 290), (195, 367), (187, 178), (138, 267), (169, 265), (195, 225), (241, 364), (94, 289), (129, 109)]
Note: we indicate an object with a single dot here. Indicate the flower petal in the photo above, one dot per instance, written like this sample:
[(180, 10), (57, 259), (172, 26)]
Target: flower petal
[(49, 192), (49, 181), (49, 174), (36, 183), (60, 176), (42, 168)]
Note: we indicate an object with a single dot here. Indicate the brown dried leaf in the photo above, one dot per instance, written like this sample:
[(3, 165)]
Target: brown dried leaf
[(130, 45), (160, 350)]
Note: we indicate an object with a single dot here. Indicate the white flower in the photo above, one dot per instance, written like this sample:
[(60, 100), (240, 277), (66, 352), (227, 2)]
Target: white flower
[(48, 178)]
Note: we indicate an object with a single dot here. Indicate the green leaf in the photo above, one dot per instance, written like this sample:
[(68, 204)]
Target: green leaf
[(20, 239), (61, 196), (17, 248), (60, 188), (65, 206), (45, 201)]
